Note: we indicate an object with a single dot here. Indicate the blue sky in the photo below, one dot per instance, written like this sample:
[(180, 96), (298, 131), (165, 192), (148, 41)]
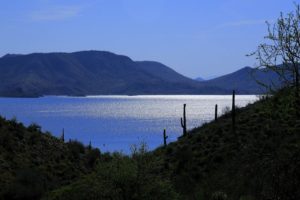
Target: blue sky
[(194, 37)]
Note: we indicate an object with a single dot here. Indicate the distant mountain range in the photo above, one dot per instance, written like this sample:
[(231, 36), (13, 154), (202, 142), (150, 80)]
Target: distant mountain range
[(104, 73), (244, 81)]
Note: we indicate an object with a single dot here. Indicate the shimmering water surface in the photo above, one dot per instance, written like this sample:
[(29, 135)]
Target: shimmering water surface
[(114, 123)]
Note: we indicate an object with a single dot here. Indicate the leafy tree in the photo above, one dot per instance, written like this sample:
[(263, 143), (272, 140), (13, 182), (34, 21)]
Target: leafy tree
[(34, 127), (120, 177), (92, 156), (76, 148)]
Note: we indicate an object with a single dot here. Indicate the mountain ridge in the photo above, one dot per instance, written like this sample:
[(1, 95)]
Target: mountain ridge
[(91, 73), (245, 80), (105, 73)]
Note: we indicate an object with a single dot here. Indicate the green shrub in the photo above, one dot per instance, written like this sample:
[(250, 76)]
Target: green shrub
[(76, 148), (219, 196), (91, 157), (29, 184)]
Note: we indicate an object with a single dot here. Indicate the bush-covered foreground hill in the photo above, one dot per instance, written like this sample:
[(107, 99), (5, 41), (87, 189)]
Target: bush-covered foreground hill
[(32, 162), (260, 160)]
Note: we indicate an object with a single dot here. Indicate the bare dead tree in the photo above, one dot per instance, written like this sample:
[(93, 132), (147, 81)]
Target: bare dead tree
[(281, 51)]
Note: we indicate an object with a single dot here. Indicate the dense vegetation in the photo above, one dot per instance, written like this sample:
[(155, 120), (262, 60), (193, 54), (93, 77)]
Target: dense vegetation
[(32, 162), (259, 160)]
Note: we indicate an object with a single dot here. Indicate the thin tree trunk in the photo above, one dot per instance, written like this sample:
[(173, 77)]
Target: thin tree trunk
[(297, 92)]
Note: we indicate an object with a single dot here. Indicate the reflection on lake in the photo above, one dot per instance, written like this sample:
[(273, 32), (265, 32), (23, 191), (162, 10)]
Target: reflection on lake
[(116, 122)]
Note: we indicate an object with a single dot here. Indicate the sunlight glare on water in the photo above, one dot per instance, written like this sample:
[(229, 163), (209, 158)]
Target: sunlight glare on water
[(113, 123)]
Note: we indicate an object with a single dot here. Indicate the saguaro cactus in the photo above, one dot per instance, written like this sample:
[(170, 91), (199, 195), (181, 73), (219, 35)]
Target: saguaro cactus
[(216, 112), (62, 137), (90, 145), (233, 110), (183, 121), (165, 138)]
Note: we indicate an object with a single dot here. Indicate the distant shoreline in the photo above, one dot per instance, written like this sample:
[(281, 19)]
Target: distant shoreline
[(120, 95)]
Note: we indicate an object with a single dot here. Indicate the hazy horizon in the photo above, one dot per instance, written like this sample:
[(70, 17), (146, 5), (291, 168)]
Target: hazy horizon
[(205, 39)]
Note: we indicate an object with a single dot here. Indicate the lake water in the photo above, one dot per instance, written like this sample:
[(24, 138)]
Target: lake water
[(114, 123)]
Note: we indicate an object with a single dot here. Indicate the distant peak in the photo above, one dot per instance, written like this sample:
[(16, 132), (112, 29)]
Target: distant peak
[(11, 55), (246, 68), (94, 51), (84, 52), (199, 79)]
